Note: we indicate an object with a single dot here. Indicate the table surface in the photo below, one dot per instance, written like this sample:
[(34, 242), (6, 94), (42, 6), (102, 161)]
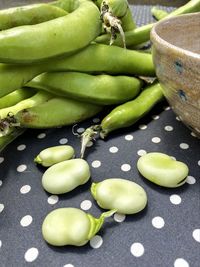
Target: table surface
[(165, 234)]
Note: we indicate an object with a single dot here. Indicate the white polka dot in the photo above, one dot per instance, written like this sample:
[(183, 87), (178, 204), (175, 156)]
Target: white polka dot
[(21, 147), (175, 199), (155, 117), (119, 217), (142, 127), (21, 168), (156, 140), (158, 222), (1, 182), (1, 159), (181, 263), (96, 120), (141, 152), (167, 108), (26, 220), (86, 205), (63, 141), (198, 162), (0, 243), (172, 157), (96, 241), (25, 189), (178, 119), (89, 144), (96, 164), (68, 265), (184, 146), (1, 207), (113, 149), (41, 136), (196, 235), (168, 128), (190, 180), (128, 137), (31, 254), (137, 249), (53, 199), (80, 130), (125, 167)]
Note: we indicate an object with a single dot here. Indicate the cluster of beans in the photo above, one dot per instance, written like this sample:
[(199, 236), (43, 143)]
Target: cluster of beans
[(72, 226), (57, 67)]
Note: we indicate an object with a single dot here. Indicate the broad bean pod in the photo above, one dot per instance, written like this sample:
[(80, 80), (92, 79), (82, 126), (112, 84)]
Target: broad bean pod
[(71, 226), (96, 58), (190, 7), (55, 113), (28, 15), (124, 115), (128, 113), (13, 133), (16, 96), (38, 42), (97, 89), (38, 98), (158, 14), (67, 5)]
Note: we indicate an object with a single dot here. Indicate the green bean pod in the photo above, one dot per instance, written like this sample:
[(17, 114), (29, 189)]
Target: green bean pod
[(96, 58), (158, 14), (28, 15), (97, 89), (62, 35), (13, 133), (36, 99), (16, 96), (132, 38), (127, 114), (67, 5), (71, 226), (55, 113), (191, 6)]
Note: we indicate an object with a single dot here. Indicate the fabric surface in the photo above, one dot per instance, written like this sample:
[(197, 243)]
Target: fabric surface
[(165, 234)]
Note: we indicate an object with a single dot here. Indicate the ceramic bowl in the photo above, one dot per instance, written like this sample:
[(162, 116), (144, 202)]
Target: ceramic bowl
[(176, 56)]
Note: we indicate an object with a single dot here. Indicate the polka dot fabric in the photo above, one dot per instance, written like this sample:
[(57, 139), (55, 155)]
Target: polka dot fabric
[(166, 233)]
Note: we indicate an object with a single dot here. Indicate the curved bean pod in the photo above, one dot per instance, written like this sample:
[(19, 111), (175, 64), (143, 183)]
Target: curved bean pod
[(68, 5), (128, 113), (49, 39), (36, 99), (190, 7), (55, 113), (158, 14), (71, 226), (28, 15), (16, 96), (96, 58), (97, 89)]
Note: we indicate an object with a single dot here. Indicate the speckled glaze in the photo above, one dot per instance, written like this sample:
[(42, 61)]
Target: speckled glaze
[(176, 55)]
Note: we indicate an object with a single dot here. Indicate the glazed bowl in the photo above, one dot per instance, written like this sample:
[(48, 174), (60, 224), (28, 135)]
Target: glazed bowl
[(176, 56)]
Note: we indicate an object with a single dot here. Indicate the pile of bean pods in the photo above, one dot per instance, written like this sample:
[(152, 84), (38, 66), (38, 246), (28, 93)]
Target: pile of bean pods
[(65, 61)]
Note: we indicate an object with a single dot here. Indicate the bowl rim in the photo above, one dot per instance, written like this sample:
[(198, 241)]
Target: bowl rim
[(155, 37)]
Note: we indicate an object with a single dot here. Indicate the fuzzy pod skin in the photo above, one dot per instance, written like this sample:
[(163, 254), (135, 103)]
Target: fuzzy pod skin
[(55, 154), (162, 169), (29, 15), (128, 113), (65, 176), (71, 226), (50, 39), (97, 89), (123, 195), (55, 113), (108, 59), (16, 96)]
